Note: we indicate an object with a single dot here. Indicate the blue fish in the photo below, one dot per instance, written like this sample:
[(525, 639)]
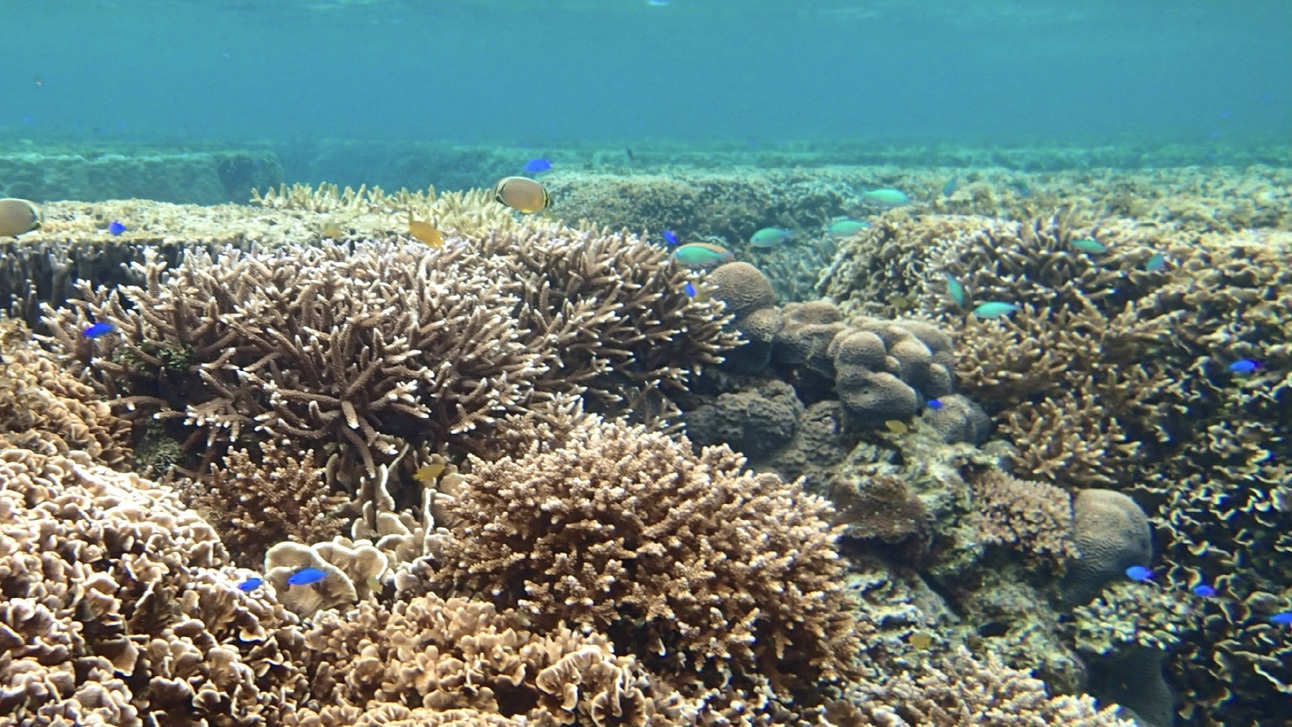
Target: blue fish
[(1202, 590), (1246, 366), (690, 289), (250, 584), (115, 228), (305, 577), (1156, 264), (1282, 618), (1139, 574), (935, 404), (950, 187), (98, 330), (670, 237), (534, 166)]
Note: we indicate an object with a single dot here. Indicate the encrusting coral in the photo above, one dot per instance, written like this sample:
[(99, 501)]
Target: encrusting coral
[(44, 408), (674, 554)]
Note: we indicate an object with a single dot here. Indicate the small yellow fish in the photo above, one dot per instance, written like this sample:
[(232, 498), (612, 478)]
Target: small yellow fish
[(426, 232), (18, 216), (897, 427), (523, 194), (333, 231), (921, 640), (428, 473)]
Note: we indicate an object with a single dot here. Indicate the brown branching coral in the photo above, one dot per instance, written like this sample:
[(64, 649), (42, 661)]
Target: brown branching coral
[(672, 553), (455, 655), (1031, 517), (254, 502), (962, 690), (362, 347)]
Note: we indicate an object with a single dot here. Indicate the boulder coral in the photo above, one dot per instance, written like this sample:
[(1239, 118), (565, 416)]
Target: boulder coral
[(1111, 534)]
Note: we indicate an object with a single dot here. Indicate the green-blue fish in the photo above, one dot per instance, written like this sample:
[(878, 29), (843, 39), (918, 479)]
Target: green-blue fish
[(701, 255), (770, 237), (994, 309), (886, 197), (1089, 244), (1156, 264), (844, 227), (956, 290)]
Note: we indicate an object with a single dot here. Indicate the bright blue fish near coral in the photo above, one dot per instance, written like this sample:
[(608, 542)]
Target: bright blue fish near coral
[(98, 330), (1283, 618), (935, 404), (670, 237), (1139, 574), (305, 577), (115, 228), (250, 584), (994, 309), (534, 166), (1246, 366), (689, 289), (1202, 590)]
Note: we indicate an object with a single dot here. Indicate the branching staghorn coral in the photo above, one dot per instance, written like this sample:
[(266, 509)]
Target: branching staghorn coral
[(384, 342), (678, 555), (324, 345), (254, 501)]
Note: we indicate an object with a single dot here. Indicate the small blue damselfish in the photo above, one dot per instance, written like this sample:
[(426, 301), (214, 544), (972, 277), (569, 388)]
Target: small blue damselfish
[(1139, 574), (250, 584), (305, 577), (98, 329)]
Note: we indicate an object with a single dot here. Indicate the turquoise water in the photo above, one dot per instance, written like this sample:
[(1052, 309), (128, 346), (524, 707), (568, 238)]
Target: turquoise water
[(550, 73)]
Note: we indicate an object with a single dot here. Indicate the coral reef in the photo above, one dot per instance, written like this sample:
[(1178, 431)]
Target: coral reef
[(671, 553), (1112, 534), (364, 347)]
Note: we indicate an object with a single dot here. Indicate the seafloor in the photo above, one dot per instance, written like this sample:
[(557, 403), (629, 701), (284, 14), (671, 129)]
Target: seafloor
[(322, 473)]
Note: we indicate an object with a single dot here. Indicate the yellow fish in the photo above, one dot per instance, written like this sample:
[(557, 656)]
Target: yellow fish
[(523, 194), (921, 640), (427, 473), (425, 231), (897, 427), (333, 231), (18, 216)]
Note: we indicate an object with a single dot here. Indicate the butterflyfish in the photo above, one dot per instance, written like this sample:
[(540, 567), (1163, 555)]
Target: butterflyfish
[(522, 194), (18, 216)]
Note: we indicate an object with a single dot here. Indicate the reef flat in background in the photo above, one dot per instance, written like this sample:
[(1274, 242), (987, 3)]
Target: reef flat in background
[(321, 473)]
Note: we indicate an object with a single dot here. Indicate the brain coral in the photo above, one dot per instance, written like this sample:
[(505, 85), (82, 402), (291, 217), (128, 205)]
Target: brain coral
[(1111, 533), (671, 553)]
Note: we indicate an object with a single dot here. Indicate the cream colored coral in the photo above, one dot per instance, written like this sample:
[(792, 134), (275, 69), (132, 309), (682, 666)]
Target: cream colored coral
[(708, 566)]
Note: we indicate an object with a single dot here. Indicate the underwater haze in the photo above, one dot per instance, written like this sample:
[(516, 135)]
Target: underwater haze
[(548, 72)]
